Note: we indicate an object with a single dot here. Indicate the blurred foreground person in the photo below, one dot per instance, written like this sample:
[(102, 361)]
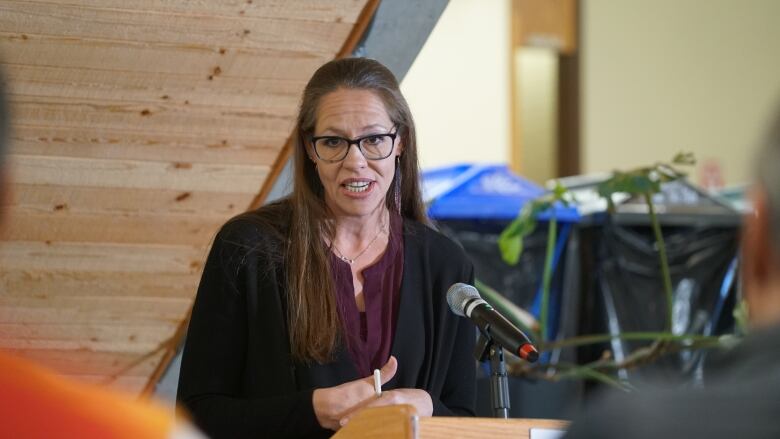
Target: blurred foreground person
[(37, 403), (741, 397)]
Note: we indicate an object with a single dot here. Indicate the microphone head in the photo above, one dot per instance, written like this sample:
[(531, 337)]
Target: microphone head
[(529, 353), (458, 295)]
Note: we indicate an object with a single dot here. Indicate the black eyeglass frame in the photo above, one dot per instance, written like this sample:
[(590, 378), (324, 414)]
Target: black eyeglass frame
[(356, 142)]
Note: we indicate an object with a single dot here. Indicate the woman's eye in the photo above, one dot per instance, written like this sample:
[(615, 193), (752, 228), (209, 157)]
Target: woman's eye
[(333, 142), (375, 140)]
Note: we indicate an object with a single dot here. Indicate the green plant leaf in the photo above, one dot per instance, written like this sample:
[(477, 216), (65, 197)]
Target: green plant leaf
[(644, 180), (510, 242), (631, 183), (741, 317), (559, 191), (684, 159), (511, 247)]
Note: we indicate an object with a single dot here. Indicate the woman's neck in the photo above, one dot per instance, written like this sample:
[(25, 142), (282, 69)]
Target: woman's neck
[(355, 230)]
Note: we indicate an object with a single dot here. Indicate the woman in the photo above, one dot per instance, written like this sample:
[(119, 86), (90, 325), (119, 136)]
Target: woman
[(302, 299)]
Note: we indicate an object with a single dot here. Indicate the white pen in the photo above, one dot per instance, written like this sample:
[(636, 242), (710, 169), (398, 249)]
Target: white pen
[(377, 383)]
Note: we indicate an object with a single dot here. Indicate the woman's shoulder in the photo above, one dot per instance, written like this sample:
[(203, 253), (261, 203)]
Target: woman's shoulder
[(259, 228), (433, 240), (443, 258)]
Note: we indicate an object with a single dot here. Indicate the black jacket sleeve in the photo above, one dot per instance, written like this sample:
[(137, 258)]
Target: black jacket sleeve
[(458, 393), (458, 397), (212, 382)]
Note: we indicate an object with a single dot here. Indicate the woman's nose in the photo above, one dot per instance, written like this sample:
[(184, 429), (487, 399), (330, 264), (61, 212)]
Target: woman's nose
[(355, 157)]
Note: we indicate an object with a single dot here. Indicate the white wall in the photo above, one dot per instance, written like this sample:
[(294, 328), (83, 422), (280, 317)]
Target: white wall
[(458, 87), (667, 75)]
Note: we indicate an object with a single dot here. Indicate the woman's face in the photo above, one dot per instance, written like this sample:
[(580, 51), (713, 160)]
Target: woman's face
[(354, 186)]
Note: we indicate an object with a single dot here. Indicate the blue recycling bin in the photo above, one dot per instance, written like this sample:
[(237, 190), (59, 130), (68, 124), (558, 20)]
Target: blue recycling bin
[(473, 204), (469, 200)]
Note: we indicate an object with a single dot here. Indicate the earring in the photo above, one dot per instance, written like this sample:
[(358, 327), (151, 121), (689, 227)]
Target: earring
[(398, 184)]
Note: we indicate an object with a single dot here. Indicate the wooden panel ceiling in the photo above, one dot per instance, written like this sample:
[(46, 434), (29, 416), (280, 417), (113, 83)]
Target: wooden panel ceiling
[(139, 127)]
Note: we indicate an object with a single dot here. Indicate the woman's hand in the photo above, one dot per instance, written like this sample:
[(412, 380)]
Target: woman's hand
[(419, 399), (332, 404)]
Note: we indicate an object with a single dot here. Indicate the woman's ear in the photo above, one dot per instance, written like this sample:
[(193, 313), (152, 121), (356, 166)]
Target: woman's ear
[(311, 154), (308, 146)]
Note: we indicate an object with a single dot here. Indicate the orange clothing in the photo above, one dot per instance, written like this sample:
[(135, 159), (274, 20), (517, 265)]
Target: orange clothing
[(36, 403)]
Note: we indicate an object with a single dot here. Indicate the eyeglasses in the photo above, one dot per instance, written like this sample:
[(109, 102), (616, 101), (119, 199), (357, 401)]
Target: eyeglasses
[(335, 149)]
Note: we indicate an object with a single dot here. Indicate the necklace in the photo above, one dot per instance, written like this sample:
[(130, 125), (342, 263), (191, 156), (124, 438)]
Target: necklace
[(351, 261)]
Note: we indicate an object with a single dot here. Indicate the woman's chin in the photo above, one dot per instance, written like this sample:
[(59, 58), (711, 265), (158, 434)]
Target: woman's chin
[(356, 207)]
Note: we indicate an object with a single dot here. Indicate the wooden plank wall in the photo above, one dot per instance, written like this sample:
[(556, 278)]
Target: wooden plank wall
[(139, 127)]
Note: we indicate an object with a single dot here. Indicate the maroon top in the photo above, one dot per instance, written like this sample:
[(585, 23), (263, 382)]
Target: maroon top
[(369, 334)]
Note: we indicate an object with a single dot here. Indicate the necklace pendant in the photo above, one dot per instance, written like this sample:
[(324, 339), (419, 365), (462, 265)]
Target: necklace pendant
[(352, 261)]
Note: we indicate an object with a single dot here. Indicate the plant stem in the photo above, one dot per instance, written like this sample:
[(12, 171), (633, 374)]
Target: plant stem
[(667, 279), (600, 338), (585, 372), (552, 233)]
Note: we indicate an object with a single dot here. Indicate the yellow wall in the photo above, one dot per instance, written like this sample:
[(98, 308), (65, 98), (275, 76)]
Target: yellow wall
[(458, 87), (537, 94), (667, 75)]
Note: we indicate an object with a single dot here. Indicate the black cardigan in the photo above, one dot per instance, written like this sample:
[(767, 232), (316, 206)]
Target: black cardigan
[(238, 378)]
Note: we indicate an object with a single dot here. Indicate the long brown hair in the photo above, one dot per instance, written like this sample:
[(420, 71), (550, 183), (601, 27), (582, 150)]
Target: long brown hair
[(313, 318)]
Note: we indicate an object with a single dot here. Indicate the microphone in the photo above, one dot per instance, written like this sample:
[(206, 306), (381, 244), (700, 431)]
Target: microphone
[(464, 300)]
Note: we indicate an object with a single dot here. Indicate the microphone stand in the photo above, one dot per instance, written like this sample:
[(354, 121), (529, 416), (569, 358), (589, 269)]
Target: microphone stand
[(499, 383)]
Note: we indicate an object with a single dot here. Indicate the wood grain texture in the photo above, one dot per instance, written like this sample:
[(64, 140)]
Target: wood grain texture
[(141, 310), (330, 11), (399, 421), (276, 95), (50, 282), (550, 24), (130, 385), (136, 174), (479, 428), (157, 119), (123, 228), (381, 422), (105, 365), (121, 57), (133, 145), (100, 257), (53, 198), (139, 128), (95, 336), (91, 23)]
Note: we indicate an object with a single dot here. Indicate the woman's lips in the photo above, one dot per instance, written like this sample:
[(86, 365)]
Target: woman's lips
[(358, 188)]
